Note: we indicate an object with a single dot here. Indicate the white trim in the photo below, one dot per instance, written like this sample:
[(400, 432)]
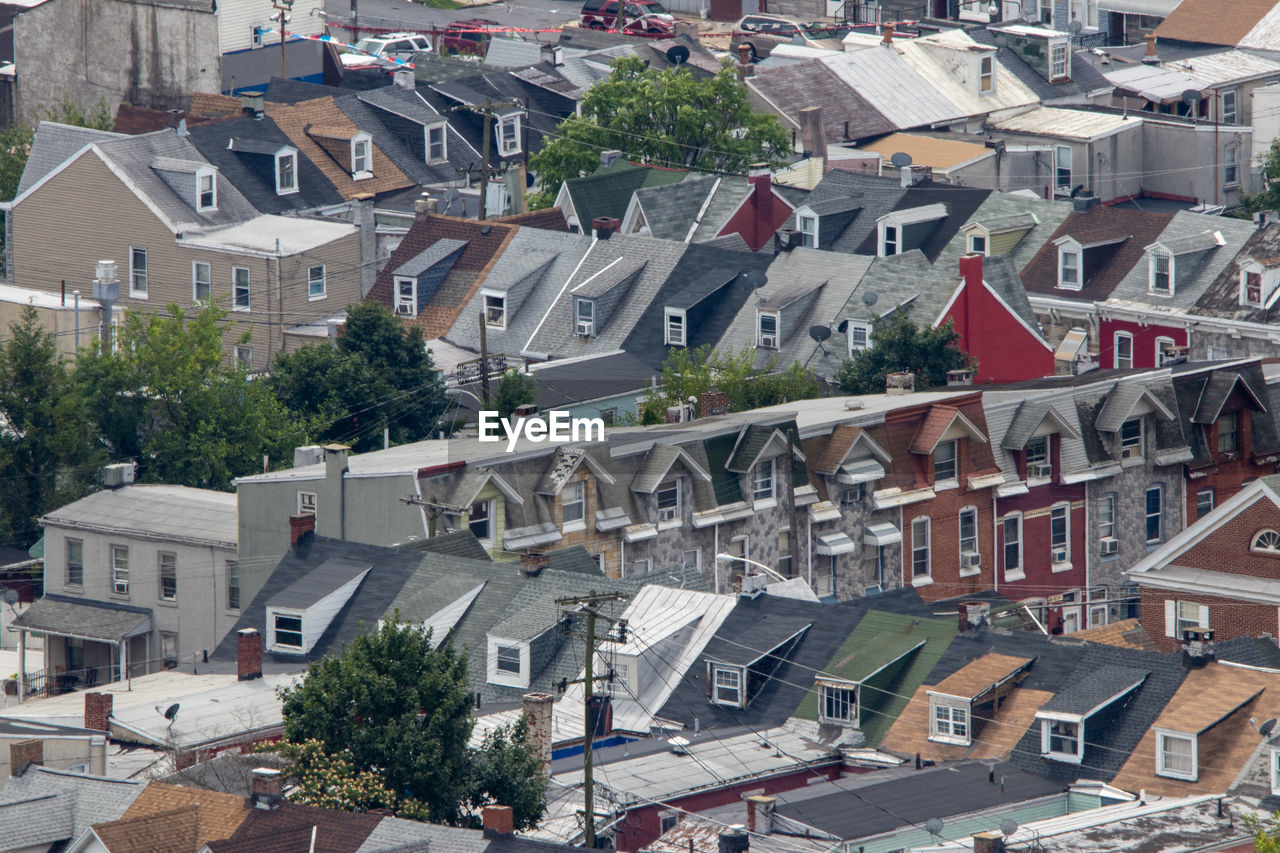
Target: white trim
[(194, 282), (356, 139), (286, 153), (211, 173), (485, 296), (1161, 770), (750, 193), (496, 676), (443, 127), (667, 315)]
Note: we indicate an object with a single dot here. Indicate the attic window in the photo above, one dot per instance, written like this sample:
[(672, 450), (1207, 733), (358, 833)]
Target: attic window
[(839, 704), (889, 244), (1176, 755), (948, 722), (1061, 740), (287, 631), (674, 328), (406, 296), (726, 686), (1251, 288), (859, 337), (495, 310), (987, 75), (508, 135), (1161, 267), (436, 145), (206, 190), (767, 330), (978, 244), (807, 225), (1068, 268), (361, 158), (584, 315), (1059, 69), (1266, 541), (286, 173)]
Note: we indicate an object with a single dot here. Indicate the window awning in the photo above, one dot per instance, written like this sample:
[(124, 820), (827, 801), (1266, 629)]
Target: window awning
[(834, 544), (883, 533), (90, 620), (860, 471), (1072, 343), (823, 511)]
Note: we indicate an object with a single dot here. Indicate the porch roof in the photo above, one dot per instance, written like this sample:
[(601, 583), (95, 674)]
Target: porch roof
[(104, 621)]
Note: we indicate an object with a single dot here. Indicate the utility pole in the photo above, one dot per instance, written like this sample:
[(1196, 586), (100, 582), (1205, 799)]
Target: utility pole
[(283, 8), (484, 337), (355, 21), (487, 111), (434, 511), (588, 606)]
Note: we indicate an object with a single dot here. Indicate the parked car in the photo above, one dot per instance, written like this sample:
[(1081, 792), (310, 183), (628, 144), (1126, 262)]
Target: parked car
[(762, 33), (383, 51), (639, 17), (470, 37)]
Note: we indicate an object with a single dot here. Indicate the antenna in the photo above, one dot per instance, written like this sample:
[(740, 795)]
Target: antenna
[(933, 826), (869, 298), (1191, 98), (11, 597), (1008, 827), (900, 160), (820, 334), (754, 279), (1075, 27)]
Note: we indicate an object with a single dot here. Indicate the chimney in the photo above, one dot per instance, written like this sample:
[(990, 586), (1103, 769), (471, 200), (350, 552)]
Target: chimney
[(971, 272), (499, 821), (988, 842), (1263, 218), (812, 135), (421, 208), (745, 68), (734, 840), (310, 454), (760, 814), (97, 711), (537, 710), (887, 38), (914, 175), (605, 226), (248, 654), (1197, 647), (251, 103), (266, 788), (299, 526), (899, 383), (608, 158), (1084, 202), (172, 117), (759, 177), (713, 402), (531, 565), (404, 79), (24, 753), (973, 614), (1150, 57), (960, 378)]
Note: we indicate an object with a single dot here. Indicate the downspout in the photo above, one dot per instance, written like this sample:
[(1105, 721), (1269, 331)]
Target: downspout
[(809, 546), (716, 556), (995, 542)]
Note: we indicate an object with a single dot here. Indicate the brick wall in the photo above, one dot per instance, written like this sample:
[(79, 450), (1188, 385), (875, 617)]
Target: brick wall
[(97, 708), (944, 531), (1228, 618), (1229, 472), (1227, 548)]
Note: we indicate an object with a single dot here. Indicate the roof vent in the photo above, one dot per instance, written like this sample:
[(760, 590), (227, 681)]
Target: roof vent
[(118, 475)]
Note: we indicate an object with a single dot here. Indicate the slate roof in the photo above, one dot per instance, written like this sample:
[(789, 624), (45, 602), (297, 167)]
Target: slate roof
[(1221, 298), (300, 121), (846, 115), (1201, 394), (1084, 77), (559, 384), (1104, 268), (78, 617), (1194, 271), (156, 512), (45, 806), (53, 144), (607, 192)]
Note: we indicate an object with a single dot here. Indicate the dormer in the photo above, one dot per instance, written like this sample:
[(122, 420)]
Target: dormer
[(1077, 260), (821, 223), (1259, 281), (665, 481), (1034, 438), (596, 298), (195, 181), (1065, 719), (298, 616), (942, 439), (737, 674), (977, 687), (904, 230), (353, 151), (416, 280), (1223, 410), (1045, 50), (760, 457), (689, 304), (852, 458), (780, 314), (1178, 731), (478, 497), (997, 235), (278, 163), (506, 287), (1124, 415), (1163, 255), (969, 63), (571, 483)]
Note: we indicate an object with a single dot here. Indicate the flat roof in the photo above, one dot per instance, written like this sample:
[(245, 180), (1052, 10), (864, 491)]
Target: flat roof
[(1071, 124), (271, 235), (928, 150)]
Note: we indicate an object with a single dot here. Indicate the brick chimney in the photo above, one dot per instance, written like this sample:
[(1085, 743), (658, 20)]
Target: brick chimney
[(760, 814), (248, 654), (761, 180), (812, 136), (745, 68), (299, 526), (713, 402), (973, 614), (988, 842), (23, 754), (537, 710), (499, 821), (1151, 57), (531, 565), (971, 272), (605, 226), (887, 34), (266, 788), (97, 710)]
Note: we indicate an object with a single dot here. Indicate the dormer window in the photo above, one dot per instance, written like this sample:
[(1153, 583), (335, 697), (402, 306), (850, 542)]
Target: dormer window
[(906, 229), (495, 310), (1228, 433), (978, 244), (944, 463), (762, 481), (1176, 755), (1038, 464), (584, 317), (361, 156), (889, 245), (206, 190), (987, 75), (1069, 267), (509, 135), (807, 225), (1160, 268), (949, 722), (767, 330), (859, 337), (286, 173), (406, 296), (573, 507), (1059, 62), (674, 334), (1251, 287), (668, 498), (1131, 439), (436, 144)]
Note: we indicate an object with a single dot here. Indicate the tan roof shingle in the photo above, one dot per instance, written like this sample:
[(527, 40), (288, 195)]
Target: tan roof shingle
[(1208, 22), (162, 832), (317, 128), (220, 815), (976, 677)]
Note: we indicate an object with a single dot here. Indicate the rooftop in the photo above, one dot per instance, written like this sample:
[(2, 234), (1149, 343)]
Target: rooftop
[(171, 513)]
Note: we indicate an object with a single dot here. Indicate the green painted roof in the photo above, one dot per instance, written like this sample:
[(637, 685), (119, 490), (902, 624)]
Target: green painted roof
[(607, 192), (885, 653)]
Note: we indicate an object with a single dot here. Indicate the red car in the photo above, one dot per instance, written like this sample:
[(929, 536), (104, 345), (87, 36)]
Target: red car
[(469, 37), (639, 17)]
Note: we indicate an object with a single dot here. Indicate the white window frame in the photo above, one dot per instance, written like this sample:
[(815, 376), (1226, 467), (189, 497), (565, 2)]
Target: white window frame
[(442, 131), (1063, 253), (203, 174), (499, 659), (1037, 458), (807, 225), (1265, 541), (361, 163), (768, 340), (584, 323), (1163, 343), (573, 506), (138, 284), (1011, 521), (495, 309), (241, 298), (1059, 61), (273, 618), (886, 244), (316, 282), (1063, 158), (720, 691), (1047, 735), (242, 356), (506, 676), (958, 715), (1245, 298), (508, 144), (281, 187), (1187, 615), (196, 283), (1230, 114), (306, 503), (403, 308), (490, 522), (233, 585), (162, 566), (1148, 515), (1131, 450), (947, 480), (984, 249), (1107, 516), (922, 523), (119, 569), (674, 512), (1060, 545), (1206, 500), (1125, 363), (1162, 769), (1160, 273), (986, 76), (1231, 165), (764, 482), (678, 335), (968, 544), (829, 695), (859, 336)]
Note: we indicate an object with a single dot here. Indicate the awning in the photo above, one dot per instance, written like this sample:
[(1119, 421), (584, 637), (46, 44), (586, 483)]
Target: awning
[(882, 533), (1153, 8), (861, 471), (611, 519), (640, 532), (834, 544), (823, 511), (1072, 345), (89, 620)]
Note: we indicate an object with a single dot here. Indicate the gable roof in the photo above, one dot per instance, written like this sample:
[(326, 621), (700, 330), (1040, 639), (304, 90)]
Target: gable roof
[(45, 806), (54, 144), (1202, 22), (306, 122), (607, 192), (1120, 402), (1201, 250), (154, 833), (937, 420), (1127, 230), (788, 89)]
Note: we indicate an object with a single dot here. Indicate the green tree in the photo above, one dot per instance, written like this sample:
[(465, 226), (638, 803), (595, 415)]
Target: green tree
[(691, 373), (47, 450), (898, 345), (167, 397), (1267, 198), (515, 389), (1265, 831), (380, 375), (331, 780), (665, 117), (392, 704)]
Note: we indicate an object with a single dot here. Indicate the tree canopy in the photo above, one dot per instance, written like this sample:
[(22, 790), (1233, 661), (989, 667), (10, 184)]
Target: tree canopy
[(664, 117), (1267, 198), (515, 389), (394, 705), (690, 373), (900, 346)]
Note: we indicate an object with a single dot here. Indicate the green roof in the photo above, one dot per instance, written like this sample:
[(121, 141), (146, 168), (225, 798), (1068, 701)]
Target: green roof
[(607, 192), (890, 655)]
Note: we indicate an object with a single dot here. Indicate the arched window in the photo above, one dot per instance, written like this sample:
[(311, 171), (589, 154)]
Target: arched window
[(1267, 540)]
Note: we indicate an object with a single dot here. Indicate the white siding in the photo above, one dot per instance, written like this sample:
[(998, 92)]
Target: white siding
[(237, 18)]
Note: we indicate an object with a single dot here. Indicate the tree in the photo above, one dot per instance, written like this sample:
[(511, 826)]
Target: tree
[(47, 450), (168, 398), (380, 375), (515, 389), (393, 704), (898, 345), (1267, 198), (1265, 831), (690, 373), (664, 117)]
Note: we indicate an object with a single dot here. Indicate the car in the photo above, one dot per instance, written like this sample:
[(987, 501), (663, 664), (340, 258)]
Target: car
[(384, 51), (470, 37), (762, 33), (639, 17)]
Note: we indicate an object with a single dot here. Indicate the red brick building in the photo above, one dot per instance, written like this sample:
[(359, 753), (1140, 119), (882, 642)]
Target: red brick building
[(1004, 346)]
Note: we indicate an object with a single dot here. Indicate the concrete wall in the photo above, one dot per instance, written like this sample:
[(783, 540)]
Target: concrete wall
[(57, 321), (1186, 161), (150, 53)]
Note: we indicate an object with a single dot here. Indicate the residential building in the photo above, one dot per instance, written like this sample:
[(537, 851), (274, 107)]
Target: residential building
[(606, 192), (46, 809)]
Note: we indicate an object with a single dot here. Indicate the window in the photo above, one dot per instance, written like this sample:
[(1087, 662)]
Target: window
[(1216, 353), (1176, 756), (691, 558), (495, 310), (407, 297), (1228, 433), (242, 356), (1131, 439), (767, 330), (968, 531), (852, 495), (1046, 12), (1062, 170), (1059, 539), (783, 563), (573, 506), (669, 501), (950, 721), (315, 282), (1229, 111), (839, 704), (1058, 55), (168, 648), (1060, 738), (1165, 351), (508, 136), (286, 174), (584, 313), (480, 520), (987, 75), (859, 337), (508, 659), (726, 686), (1275, 771), (201, 281), (977, 244), (138, 273), (1268, 541), (1107, 517), (762, 480), (1252, 288), (437, 149), (360, 159), (1155, 513), (288, 631), (1188, 615), (233, 585), (239, 288), (1123, 351), (207, 191), (1161, 267), (944, 461), (1204, 502), (1037, 451), (75, 562), (1231, 165), (808, 228), (167, 565), (890, 242), (1068, 269), (1012, 529), (674, 328), (119, 570), (306, 503), (668, 822), (920, 557)]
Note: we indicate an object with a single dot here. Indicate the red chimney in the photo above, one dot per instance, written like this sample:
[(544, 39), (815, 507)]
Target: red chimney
[(498, 820), (248, 654), (971, 272), (24, 753), (605, 226), (762, 181), (299, 525), (888, 34), (97, 710)]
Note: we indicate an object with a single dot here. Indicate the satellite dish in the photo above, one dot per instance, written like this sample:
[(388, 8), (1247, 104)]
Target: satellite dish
[(678, 55), (901, 159), (843, 327), (1008, 827), (1075, 27), (819, 333), (171, 712), (994, 10), (1190, 96), (869, 298), (11, 597), (1267, 727), (933, 826), (1002, 41), (754, 279)]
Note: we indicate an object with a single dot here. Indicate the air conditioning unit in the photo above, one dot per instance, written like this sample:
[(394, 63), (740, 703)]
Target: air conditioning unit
[(1131, 452), (1041, 471), (120, 474), (851, 496), (667, 514), (970, 560), (585, 329), (1059, 555), (1109, 546), (769, 341), (404, 308)]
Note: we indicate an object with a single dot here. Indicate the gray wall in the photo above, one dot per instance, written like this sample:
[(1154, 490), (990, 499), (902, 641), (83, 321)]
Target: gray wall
[(1185, 160)]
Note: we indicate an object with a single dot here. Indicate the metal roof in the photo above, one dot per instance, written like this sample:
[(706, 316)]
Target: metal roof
[(1070, 124), (177, 513)]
